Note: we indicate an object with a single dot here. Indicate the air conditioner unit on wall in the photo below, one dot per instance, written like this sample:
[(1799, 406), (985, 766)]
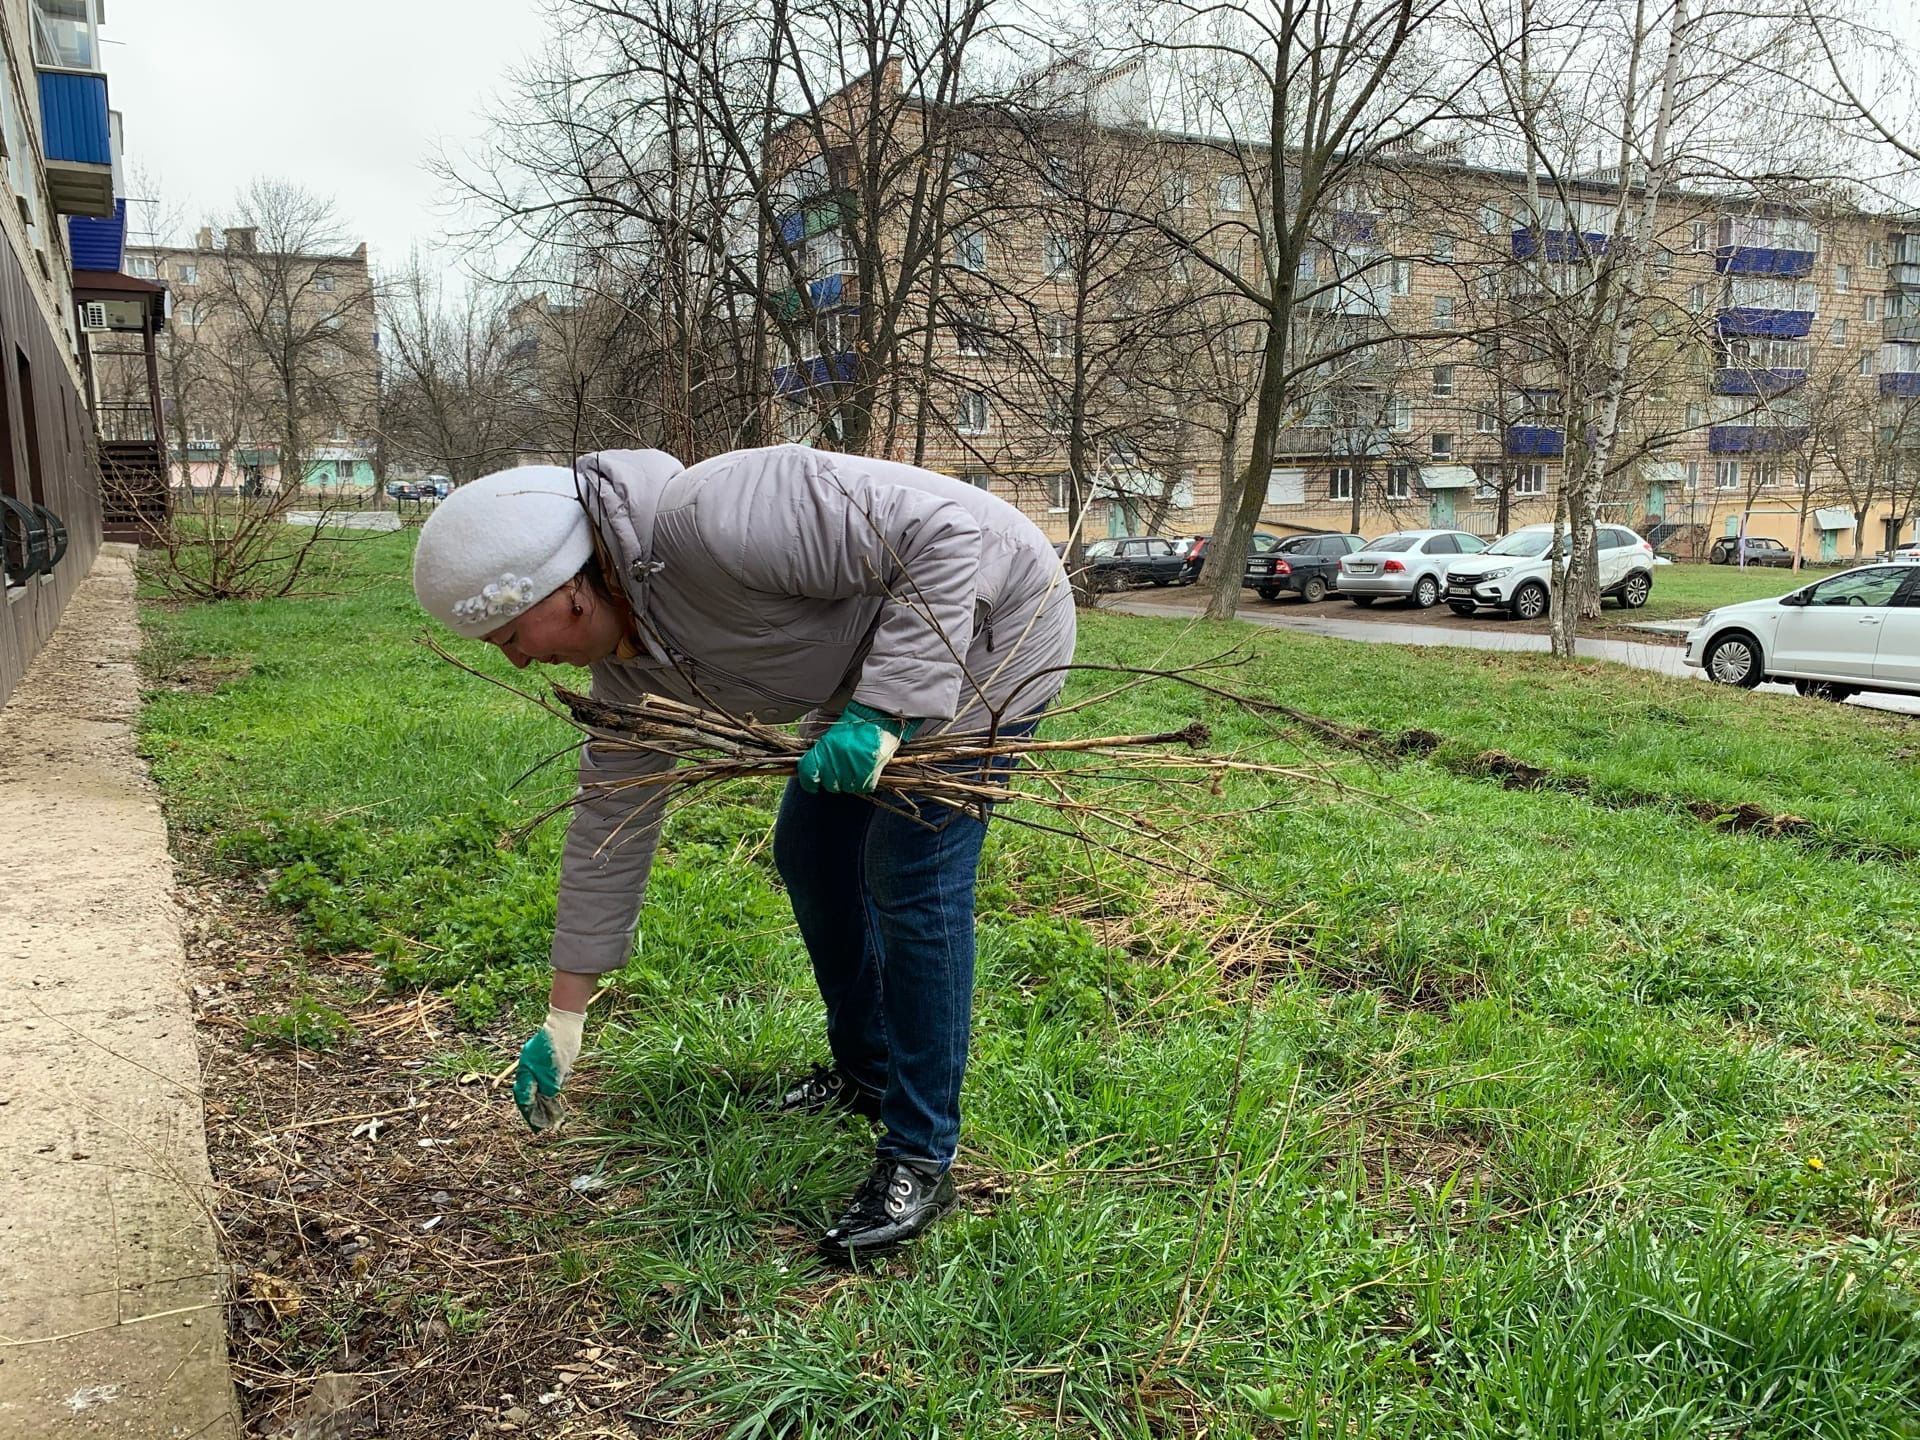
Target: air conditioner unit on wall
[(93, 316)]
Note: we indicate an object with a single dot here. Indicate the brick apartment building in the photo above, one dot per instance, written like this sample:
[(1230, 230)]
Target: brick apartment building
[(1774, 391)]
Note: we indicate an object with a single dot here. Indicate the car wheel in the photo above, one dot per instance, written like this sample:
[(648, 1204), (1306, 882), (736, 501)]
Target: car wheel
[(1459, 607), (1426, 594), (1267, 592), (1734, 659), (1530, 601), (1314, 591), (1634, 593), (1363, 600), (1825, 690)]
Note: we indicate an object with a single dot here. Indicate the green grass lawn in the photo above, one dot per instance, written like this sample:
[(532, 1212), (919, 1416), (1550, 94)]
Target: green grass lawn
[(1683, 591), (1554, 1111)]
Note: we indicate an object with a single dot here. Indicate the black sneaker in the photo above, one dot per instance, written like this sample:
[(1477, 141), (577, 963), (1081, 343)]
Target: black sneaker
[(830, 1089), (897, 1200)]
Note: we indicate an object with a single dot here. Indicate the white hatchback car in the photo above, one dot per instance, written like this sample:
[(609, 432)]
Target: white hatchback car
[(1515, 573), (1858, 630), (1408, 565)]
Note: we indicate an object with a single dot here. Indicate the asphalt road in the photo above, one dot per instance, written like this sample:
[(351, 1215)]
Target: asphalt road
[(1641, 654)]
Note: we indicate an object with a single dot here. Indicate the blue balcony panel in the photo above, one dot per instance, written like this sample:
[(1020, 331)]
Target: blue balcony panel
[(1900, 384), (813, 373), (1758, 260), (98, 244), (73, 108), (1734, 380), (1747, 439), (1753, 320), (1542, 440), (1558, 246)]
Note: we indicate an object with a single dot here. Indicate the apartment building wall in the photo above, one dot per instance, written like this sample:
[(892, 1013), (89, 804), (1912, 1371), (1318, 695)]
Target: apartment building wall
[(45, 455)]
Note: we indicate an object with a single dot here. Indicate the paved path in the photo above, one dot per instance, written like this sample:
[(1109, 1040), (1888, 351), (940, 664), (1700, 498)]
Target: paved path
[(110, 1287), (1642, 655)]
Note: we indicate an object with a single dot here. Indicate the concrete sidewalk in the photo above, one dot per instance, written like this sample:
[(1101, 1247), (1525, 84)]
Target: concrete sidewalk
[(110, 1285)]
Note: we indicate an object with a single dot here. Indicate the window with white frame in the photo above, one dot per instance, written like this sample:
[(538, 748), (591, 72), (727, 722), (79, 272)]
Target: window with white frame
[(1399, 482), (1873, 252), (1838, 334), (1402, 279), (1870, 309), (1491, 220), (1232, 193), (323, 282), (142, 266), (1843, 277), (1443, 248), (1696, 414), (1059, 490), (970, 249), (1692, 473), (1230, 258), (969, 170), (1702, 236), (186, 272), (1866, 363), (1059, 337), (1340, 483), (1766, 475), (973, 416), (797, 424), (970, 334), (1487, 481), (1400, 415), (1530, 480), (1179, 190), (1059, 255), (1663, 264), (1443, 381), (1726, 474), (1697, 298), (1059, 171), (1486, 420), (1303, 267), (1443, 312), (1441, 446)]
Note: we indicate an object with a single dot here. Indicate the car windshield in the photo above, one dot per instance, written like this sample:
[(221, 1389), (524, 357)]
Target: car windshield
[(1101, 547), (1525, 544), (1393, 542)]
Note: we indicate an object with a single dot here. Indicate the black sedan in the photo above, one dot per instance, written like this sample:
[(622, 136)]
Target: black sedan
[(1132, 560), (1307, 565)]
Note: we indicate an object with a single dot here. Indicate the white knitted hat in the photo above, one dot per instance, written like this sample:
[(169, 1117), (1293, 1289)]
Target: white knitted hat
[(499, 545)]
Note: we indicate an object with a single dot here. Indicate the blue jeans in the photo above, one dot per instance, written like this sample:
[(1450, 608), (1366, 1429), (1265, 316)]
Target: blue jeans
[(885, 904)]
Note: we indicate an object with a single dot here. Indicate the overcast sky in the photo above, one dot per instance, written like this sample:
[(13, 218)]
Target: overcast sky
[(348, 98)]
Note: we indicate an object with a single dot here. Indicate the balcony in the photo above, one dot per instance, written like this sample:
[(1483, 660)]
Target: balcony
[(1903, 277), (1754, 320), (815, 216), (814, 373), (1748, 439), (1763, 260), (1537, 440), (79, 142), (1900, 385), (1740, 380), (97, 244), (1558, 246), (822, 294)]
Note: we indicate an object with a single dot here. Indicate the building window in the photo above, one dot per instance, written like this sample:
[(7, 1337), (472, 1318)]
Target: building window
[(1399, 482), (1486, 421), (1870, 309), (1059, 490), (1059, 337), (1233, 192), (1058, 421), (970, 249), (1443, 312), (1179, 190), (1530, 480), (1663, 264), (343, 469), (968, 170), (1443, 380), (1697, 298), (1059, 172), (973, 416), (1059, 253), (1402, 282), (1866, 363), (1726, 474), (1443, 248), (1766, 475), (1873, 252), (1702, 236), (1491, 220), (970, 335), (186, 272), (323, 283), (1340, 483), (1303, 267), (1696, 414), (142, 266), (1843, 277), (1693, 474), (1838, 335), (1441, 447), (1400, 415)]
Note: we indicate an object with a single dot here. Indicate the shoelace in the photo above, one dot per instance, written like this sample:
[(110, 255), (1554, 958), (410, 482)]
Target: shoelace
[(880, 1198)]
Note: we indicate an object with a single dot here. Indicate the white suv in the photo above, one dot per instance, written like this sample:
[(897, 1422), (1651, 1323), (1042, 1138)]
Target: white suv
[(1515, 573)]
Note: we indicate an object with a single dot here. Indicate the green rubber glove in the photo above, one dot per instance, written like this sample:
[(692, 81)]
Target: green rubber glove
[(848, 758), (546, 1061)]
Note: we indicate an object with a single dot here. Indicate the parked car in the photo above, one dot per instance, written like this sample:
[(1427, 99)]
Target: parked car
[(1760, 550), (1308, 565), (1408, 565), (1908, 554), (1259, 543), (1132, 560), (1858, 630), (1515, 573)]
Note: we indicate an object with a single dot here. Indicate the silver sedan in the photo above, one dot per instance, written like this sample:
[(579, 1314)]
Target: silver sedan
[(1408, 565)]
